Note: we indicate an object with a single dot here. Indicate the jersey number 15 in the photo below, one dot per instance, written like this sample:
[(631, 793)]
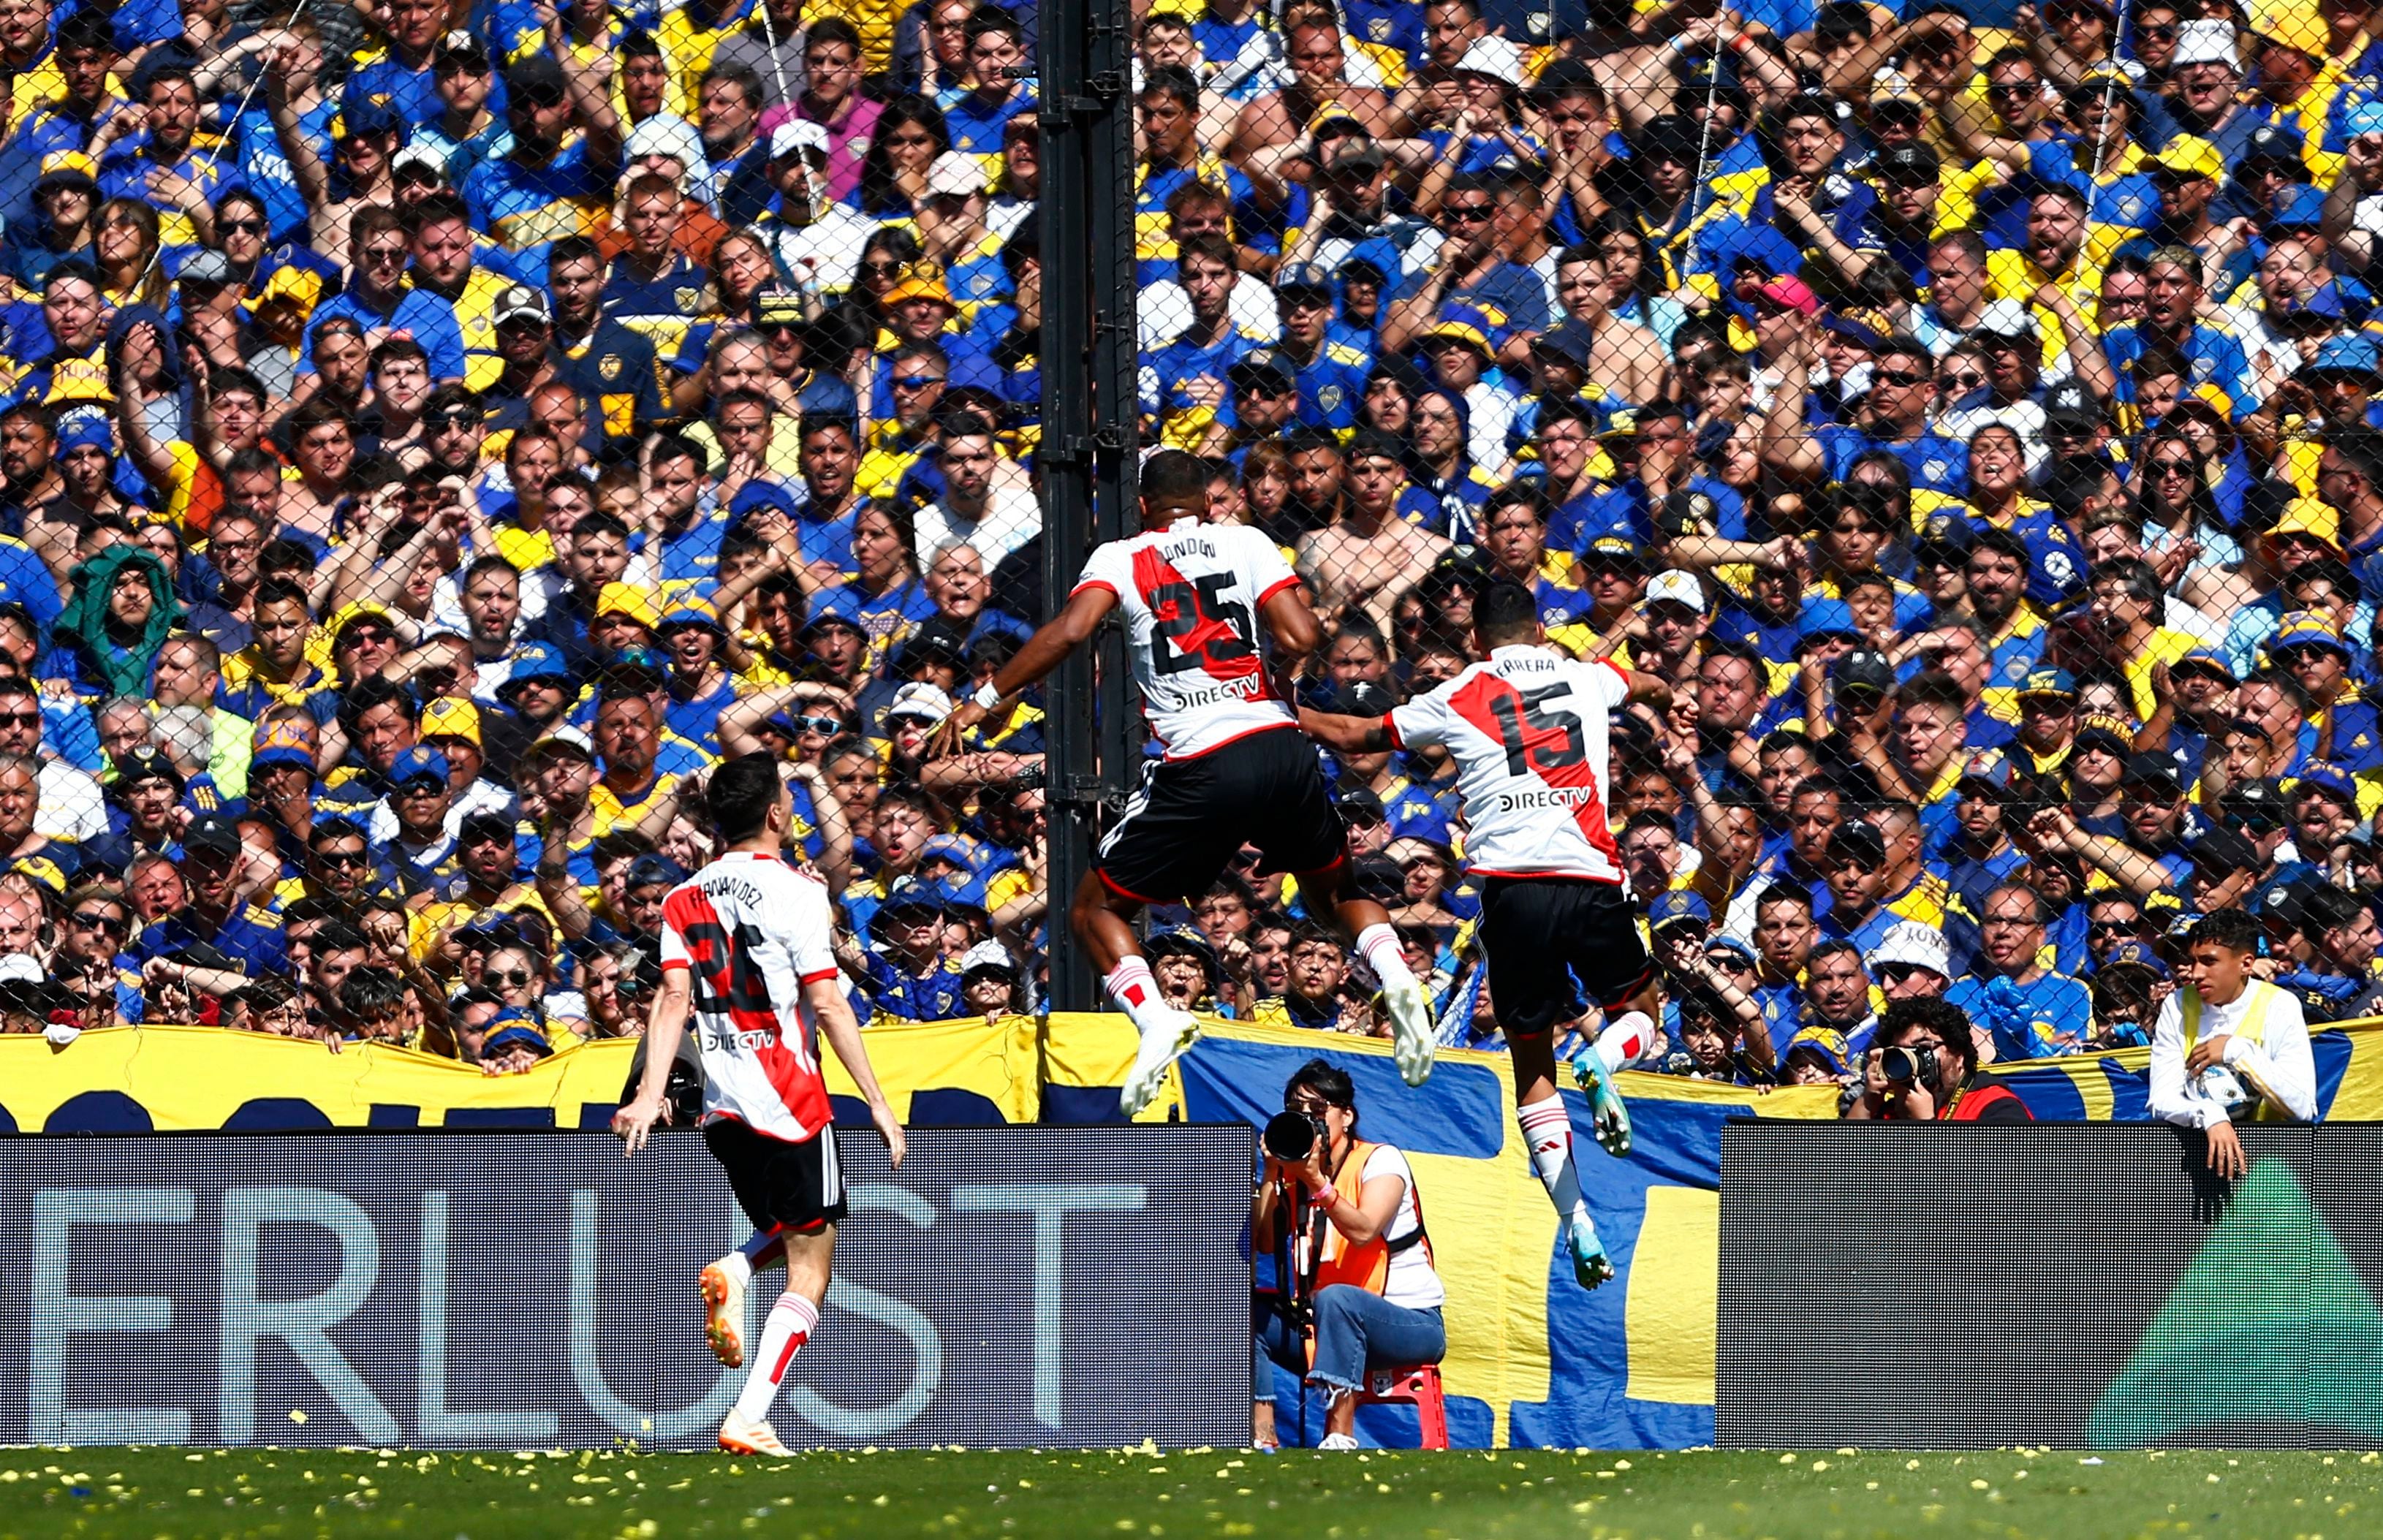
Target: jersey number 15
[(1537, 738)]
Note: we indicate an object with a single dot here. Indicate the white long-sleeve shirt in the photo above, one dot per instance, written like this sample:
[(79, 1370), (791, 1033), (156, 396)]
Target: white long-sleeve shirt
[(2282, 1063)]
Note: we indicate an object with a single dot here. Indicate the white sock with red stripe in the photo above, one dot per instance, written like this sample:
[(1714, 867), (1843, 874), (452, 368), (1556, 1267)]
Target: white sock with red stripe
[(792, 1321), (1136, 992), (1547, 1133), (1625, 1040), (1378, 944)]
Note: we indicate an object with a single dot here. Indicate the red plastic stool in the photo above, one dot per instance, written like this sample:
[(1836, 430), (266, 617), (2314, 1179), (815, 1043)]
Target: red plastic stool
[(1418, 1385)]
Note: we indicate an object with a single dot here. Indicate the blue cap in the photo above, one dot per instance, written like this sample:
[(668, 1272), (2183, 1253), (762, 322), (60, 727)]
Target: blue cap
[(2304, 629), (416, 764), (508, 1037), (1671, 908), (534, 660), (1827, 1041), (1950, 530), (909, 895), (963, 890), (1303, 276), (649, 870), (839, 606), (2205, 657), (2049, 682), (2367, 117), (1734, 947), (1824, 617), (2140, 953), (85, 427), (1989, 768), (2345, 355), (950, 848), (367, 114), (2323, 775), (2301, 208)]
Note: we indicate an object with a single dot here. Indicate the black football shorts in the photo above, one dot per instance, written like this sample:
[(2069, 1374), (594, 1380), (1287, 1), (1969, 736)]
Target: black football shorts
[(1550, 938), (1190, 817), (796, 1188)]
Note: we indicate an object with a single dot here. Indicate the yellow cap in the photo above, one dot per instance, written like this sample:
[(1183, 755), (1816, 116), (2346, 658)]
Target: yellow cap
[(2295, 24), (2191, 156), (301, 289), (2307, 516), (80, 380), (626, 599), (450, 718)]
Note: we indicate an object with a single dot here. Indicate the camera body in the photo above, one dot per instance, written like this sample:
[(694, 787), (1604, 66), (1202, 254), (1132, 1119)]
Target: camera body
[(1905, 1066), (1291, 1136)]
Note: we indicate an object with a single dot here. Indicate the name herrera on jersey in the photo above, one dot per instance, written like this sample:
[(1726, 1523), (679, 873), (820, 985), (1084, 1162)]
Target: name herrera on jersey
[(1565, 797)]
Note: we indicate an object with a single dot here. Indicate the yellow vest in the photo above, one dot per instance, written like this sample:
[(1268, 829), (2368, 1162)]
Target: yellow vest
[(2253, 1028)]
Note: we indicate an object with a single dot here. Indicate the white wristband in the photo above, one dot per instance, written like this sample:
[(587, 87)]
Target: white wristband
[(986, 697)]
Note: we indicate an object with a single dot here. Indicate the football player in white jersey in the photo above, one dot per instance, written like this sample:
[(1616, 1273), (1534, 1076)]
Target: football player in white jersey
[(1527, 730), (1233, 769), (746, 953)]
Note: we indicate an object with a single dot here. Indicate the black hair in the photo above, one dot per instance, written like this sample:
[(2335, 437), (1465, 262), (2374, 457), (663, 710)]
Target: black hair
[(742, 791), (1328, 1081), (1938, 1014), (1173, 478), (1504, 608), (2235, 930)]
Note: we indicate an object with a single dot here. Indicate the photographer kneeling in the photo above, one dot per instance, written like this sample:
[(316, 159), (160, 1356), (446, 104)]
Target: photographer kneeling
[(1360, 1266), (1922, 1067)]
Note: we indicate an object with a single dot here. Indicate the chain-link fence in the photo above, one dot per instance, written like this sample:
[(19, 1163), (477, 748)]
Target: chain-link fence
[(436, 436)]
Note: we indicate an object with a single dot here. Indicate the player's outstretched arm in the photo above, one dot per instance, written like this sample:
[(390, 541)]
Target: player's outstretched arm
[(1063, 634), (634, 1123), (1650, 688), (1348, 735), (836, 1024)]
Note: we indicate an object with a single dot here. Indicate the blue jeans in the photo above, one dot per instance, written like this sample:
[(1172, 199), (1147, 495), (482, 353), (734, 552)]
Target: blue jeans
[(1355, 1330)]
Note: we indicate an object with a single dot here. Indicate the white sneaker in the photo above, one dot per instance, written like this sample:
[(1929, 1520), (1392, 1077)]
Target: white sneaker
[(724, 1313), (1410, 1035), (742, 1434), (1608, 1117), (1339, 1441), (1590, 1265), (1160, 1045)]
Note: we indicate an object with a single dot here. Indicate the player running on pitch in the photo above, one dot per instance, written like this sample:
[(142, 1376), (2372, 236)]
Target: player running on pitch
[(1233, 772), (745, 951), (1527, 728)]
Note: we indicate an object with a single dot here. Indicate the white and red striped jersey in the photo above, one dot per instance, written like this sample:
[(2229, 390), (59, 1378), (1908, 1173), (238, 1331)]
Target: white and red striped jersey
[(1191, 594), (754, 931), (1526, 729)]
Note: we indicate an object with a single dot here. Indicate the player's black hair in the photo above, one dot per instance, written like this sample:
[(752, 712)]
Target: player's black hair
[(1174, 481), (1503, 610), (742, 791)]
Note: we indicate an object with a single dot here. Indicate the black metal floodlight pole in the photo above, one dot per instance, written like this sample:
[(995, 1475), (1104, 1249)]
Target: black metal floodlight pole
[(1088, 451)]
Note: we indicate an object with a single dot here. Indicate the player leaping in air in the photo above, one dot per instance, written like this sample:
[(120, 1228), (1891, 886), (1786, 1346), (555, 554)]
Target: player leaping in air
[(1234, 770), (745, 952), (1527, 728)]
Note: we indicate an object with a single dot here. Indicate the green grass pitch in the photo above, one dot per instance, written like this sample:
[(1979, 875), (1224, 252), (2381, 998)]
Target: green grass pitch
[(1189, 1494)]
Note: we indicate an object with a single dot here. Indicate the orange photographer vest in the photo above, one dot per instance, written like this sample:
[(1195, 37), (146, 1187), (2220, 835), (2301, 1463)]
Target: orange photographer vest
[(1366, 1266)]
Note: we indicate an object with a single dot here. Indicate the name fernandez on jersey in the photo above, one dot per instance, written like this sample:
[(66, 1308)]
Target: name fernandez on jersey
[(753, 933), (1192, 596), (1527, 730)]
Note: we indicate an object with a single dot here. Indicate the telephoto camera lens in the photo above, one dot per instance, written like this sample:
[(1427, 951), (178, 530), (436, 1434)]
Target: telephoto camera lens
[(1289, 1135)]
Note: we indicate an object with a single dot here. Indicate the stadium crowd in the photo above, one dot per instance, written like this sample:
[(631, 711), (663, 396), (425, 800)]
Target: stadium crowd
[(433, 435)]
